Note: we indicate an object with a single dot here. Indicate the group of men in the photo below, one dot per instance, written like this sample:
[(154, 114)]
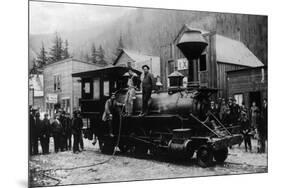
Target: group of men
[(61, 129), (252, 121)]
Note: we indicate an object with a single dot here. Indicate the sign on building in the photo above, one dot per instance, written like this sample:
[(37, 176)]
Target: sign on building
[(52, 98), (182, 64)]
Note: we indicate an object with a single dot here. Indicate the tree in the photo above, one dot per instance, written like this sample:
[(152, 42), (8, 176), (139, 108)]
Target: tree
[(56, 50), (93, 53), (101, 52), (34, 67), (42, 58), (65, 54), (120, 46)]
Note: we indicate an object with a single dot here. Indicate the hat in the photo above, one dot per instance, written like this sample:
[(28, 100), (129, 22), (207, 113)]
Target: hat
[(145, 66)]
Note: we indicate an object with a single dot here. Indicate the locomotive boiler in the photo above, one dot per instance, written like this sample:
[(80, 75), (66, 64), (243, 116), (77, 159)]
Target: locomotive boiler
[(178, 123)]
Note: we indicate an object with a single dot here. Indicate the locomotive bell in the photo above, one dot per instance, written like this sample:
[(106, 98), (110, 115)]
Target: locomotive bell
[(192, 44)]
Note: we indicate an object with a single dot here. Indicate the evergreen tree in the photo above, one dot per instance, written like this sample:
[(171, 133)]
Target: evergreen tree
[(101, 52), (34, 67), (56, 50), (42, 58), (120, 46), (65, 54), (93, 53)]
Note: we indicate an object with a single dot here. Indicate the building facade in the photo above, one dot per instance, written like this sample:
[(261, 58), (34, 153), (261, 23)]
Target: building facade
[(248, 85), (36, 91), (61, 91), (210, 70)]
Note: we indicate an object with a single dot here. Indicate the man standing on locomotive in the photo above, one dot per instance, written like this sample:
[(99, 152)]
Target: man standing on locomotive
[(111, 112), (147, 86)]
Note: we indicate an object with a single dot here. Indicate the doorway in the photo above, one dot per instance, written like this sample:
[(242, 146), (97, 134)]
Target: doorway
[(255, 96)]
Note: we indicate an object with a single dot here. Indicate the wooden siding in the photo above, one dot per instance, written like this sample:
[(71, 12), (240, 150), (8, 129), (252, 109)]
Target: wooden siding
[(70, 87), (222, 69), (246, 81)]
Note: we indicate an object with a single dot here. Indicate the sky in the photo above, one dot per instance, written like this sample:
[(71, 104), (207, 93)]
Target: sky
[(48, 17)]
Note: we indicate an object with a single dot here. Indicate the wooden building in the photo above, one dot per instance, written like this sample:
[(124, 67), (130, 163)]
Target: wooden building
[(248, 85), (221, 55), (60, 89), (36, 91), (137, 60)]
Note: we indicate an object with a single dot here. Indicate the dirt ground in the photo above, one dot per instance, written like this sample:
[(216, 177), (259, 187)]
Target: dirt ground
[(94, 167)]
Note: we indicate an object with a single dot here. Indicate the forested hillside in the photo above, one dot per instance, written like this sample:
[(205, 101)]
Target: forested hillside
[(146, 30)]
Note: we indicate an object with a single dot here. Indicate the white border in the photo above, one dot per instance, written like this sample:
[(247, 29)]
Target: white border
[(13, 41)]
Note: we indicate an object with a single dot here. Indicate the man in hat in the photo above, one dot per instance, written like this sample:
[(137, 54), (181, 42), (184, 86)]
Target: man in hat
[(31, 130), (57, 133), (111, 112), (76, 126), (64, 125), (68, 131), (147, 86), (35, 132), (246, 130), (45, 134)]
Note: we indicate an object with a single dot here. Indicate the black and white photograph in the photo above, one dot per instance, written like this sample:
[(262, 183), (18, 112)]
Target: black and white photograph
[(123, 93)]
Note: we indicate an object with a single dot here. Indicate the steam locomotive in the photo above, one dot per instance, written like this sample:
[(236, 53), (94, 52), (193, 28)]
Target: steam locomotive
[(178, 124)]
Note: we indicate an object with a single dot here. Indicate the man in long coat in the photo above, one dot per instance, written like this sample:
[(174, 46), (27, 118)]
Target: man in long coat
[(57, 133), (76, 126), (35, 133), (45, 134)]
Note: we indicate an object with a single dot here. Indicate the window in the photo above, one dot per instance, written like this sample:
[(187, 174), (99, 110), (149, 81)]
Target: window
[(203, 64), (106, 88), (87, 87), (96, 84), (238, 98), (57, 83), (65, 105)]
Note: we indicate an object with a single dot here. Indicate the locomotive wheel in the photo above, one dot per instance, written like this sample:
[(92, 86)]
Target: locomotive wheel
[(106, 145), (221, 155), (205, 156), (189, 152)]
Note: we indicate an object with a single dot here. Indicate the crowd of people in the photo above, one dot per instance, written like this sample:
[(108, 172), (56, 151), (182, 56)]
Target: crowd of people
[(60, 129), (252, 122)]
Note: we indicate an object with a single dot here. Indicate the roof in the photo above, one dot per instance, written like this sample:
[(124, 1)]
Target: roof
[(136, 56), (108, 71), (228, 51), (175, 74), (36, 83), (235, 52), (68, 60)]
